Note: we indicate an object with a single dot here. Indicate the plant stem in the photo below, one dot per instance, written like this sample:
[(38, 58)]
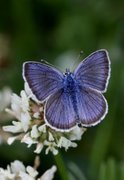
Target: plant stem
[(61, 167)]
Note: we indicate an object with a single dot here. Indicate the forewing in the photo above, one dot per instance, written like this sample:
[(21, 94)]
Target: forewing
[(59, 112), (92, 107), (42, 79), (94, 71)]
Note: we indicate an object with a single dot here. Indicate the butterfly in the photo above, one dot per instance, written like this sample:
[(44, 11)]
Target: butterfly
[(71, 98)]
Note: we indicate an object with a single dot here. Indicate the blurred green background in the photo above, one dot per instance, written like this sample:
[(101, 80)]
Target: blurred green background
[(55, 31)]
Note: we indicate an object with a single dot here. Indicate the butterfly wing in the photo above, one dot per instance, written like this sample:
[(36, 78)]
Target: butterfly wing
[(42, 79), (94, 71), (92, 106), (59, 112)]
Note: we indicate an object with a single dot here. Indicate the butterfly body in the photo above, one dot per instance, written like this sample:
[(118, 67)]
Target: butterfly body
[(73, 97), (71, 89)]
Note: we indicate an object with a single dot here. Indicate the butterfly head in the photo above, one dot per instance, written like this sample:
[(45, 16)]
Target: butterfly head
[(67, 72), (69, 76)]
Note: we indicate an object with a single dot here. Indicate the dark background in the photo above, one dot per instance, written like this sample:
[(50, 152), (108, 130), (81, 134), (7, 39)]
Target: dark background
[(55, 31)]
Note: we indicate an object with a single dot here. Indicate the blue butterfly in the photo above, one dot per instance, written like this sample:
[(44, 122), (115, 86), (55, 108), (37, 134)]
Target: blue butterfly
[(71, 98)]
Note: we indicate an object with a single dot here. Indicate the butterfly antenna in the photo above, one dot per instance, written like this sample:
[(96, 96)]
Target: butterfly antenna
[(79, 57)]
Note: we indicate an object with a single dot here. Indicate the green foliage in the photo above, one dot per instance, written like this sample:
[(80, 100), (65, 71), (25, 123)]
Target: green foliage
[(111, 170)]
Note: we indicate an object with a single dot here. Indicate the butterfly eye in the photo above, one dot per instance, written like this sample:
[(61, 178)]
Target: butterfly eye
[(67, 71)]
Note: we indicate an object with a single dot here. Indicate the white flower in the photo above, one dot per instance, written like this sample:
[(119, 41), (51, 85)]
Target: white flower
[(66, 143), (16, 105), (28, 140), (51, 138), (11, 139), (17, 166), (42, 128), (6, 174), (31, 171), (25, 120), (17, 171), (29, 92), (20, 104), (25, 176), (51, 147), (24, 101), (34, 132), (19, 109), (39, 148), (49, 174), (76, 133), (32, 129), (15, 128)]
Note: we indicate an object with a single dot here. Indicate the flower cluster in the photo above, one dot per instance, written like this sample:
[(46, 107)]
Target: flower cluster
[(17, 171), (30, 127)]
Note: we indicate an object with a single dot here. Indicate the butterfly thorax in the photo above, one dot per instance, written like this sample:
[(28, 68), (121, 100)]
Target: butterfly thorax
[(69, 83)]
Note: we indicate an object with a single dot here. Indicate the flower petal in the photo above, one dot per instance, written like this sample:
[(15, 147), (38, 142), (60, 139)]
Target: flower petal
[(17, 166), (34, 132), (39, 148), (31, 171), (28, 140), (49, 174)]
